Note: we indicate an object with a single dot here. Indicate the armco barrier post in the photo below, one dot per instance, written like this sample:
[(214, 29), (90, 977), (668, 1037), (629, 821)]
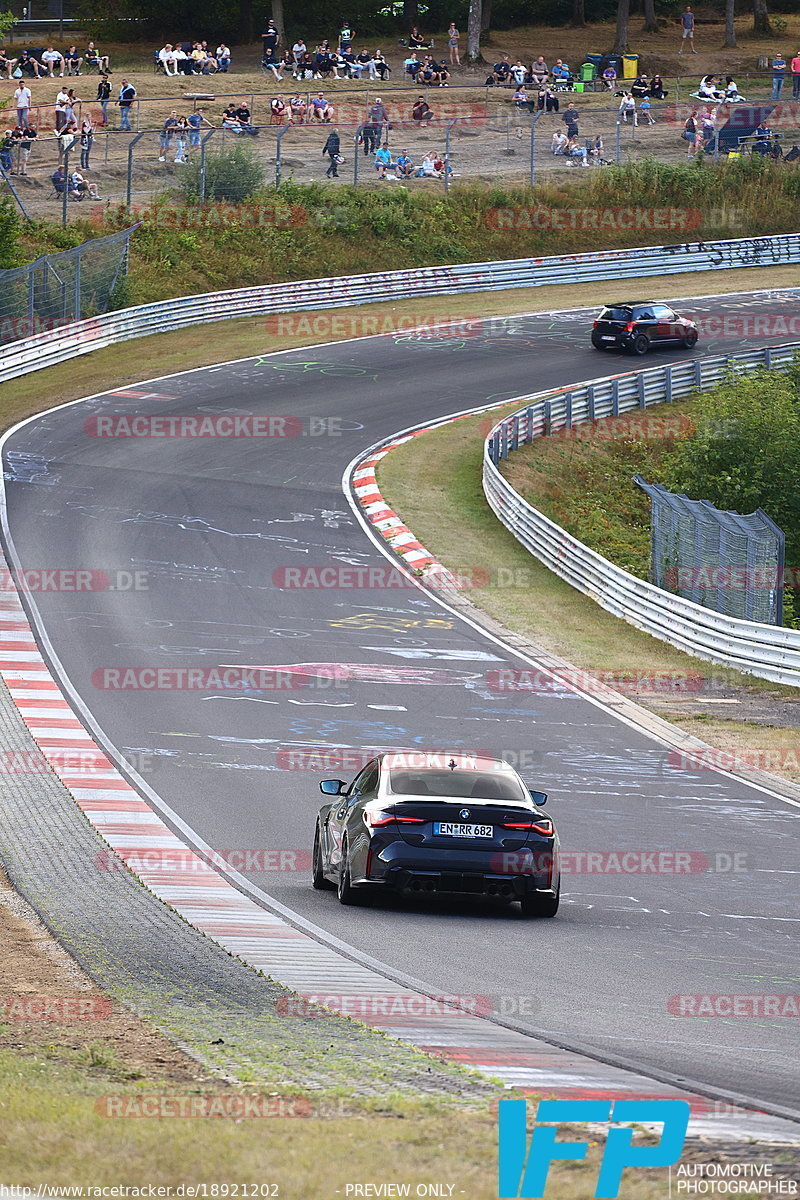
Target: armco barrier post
[(129, 189), (278, 161), (447, 157), (210, 133)]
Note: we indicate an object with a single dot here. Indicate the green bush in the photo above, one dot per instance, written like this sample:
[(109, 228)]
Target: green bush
[(232, 174), (9, 233)]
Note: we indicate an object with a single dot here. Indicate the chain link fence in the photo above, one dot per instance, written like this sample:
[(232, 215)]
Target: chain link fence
[(725, 561), (57, 289)]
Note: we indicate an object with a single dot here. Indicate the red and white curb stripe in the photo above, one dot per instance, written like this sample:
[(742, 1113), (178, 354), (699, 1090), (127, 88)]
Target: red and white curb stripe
[(182, 879)]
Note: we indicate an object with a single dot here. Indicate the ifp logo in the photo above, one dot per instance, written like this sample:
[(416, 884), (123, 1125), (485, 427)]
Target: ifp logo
[(522, 1171)]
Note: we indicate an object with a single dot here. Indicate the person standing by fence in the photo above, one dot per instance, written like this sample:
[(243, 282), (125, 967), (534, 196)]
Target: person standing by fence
[(22, 99), (103, 96), (87, 139), (332, 148), (778, 75), (127, 95)]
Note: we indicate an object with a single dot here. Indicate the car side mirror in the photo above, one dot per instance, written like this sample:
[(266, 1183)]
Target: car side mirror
[(538, 798), (332, 787)]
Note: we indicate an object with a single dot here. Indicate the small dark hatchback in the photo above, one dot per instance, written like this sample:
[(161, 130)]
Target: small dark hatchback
[(638, 326)]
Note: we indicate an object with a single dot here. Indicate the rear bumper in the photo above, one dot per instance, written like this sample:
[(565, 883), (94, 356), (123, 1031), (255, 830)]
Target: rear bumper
[(411, 881)]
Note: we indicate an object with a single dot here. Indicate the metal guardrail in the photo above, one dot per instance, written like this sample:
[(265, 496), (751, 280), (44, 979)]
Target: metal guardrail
[(55, 346), (767, 651)]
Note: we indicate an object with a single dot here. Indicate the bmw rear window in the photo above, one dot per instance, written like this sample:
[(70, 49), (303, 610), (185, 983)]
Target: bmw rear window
[(463, 785)]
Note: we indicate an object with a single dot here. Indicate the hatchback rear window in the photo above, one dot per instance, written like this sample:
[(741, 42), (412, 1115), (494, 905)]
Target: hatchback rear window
[(615, 314), (465, 785)]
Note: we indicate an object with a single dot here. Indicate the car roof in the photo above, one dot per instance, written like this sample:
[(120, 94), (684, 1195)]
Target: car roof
[(439, 760), (634, 303)]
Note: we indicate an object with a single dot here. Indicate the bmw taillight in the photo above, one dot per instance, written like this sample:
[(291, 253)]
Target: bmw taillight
[(543, 826), (377, 818), (595, 325), (629, 327)]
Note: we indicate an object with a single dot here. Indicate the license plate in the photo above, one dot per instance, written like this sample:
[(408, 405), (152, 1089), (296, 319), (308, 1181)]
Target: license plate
[(453, 829), (606, 337)]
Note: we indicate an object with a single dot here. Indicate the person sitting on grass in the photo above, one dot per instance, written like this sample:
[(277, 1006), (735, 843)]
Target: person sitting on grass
[(418, 41), (521, 97), (74, 61), (62, 184), (412, 65), (404, 165), (708, 89), (561, 74), (444, 74), (95, 59), (657, 89), (559, 143), (645, 111), (79, 185), (53, 58), (732, 94), (609, 77), (597, 149), (428, 168), (28, 65), (223, 57), (7, 64), (321, 108), (501, 73), (640, 87), (383, 161), (577, 154), (540, 72), (271, 62), (421, 112), (167, 59)]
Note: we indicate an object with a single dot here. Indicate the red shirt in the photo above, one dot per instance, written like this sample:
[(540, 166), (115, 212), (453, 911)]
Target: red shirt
[(796, 65)]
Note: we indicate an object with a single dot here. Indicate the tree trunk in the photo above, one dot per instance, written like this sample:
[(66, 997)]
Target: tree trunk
[(486, 17), (277, 16), (474, 32), (578, 12), (730, 29), (247, 31), (650, 22), (410, 15), (623, 13), (761, 17)]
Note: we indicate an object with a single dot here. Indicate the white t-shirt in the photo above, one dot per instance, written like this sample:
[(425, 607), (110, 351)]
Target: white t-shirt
[(22, 96), (62, 101)]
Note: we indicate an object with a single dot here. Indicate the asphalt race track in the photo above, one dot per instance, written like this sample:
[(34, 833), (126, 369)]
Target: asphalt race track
[(210, 520)]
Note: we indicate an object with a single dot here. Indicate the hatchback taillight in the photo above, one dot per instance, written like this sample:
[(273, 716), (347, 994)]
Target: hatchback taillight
[(630, 326), (595, 325)]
